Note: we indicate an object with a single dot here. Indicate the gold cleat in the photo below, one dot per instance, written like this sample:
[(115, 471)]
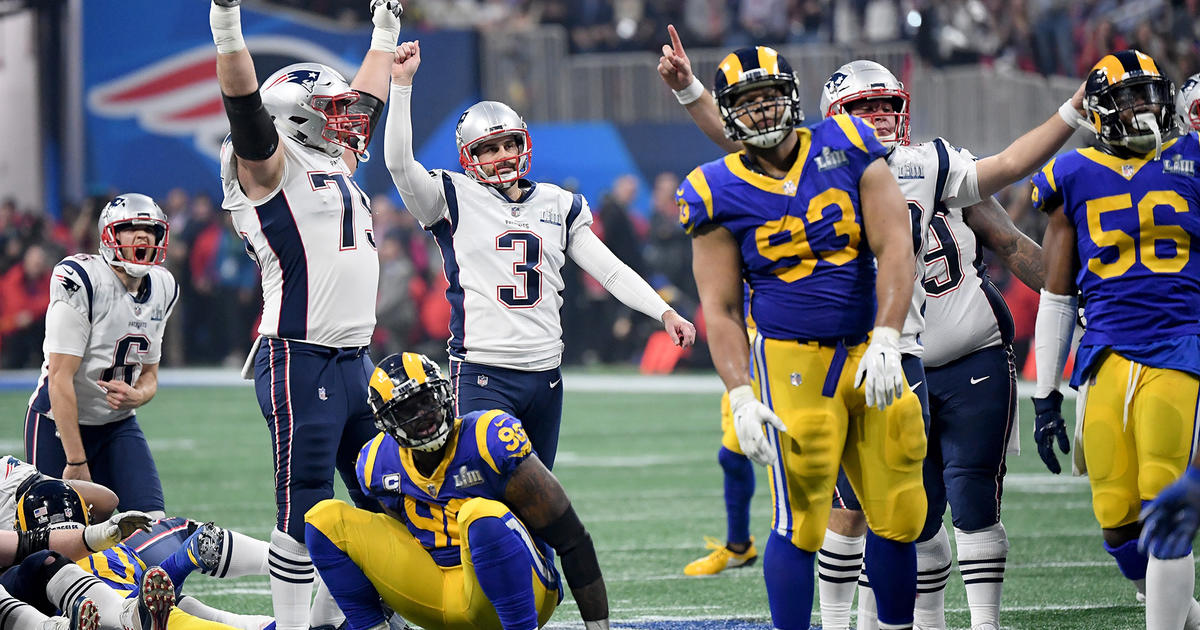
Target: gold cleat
[(721, 558)]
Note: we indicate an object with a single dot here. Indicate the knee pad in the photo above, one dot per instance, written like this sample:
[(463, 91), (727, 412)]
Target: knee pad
[(812, 450), (1114, 509), (906, 444)]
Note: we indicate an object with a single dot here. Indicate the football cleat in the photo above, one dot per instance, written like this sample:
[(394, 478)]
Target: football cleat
[(81, 615), (205, 547), (152, 608), (721, 558)]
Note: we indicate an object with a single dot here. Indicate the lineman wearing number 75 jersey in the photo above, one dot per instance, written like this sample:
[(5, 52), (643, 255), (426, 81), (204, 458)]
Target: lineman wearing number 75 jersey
[(504, 240), (104, 330)]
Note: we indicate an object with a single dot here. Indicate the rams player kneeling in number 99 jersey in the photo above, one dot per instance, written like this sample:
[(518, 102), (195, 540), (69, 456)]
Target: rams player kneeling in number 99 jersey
[(470, 516), (1124, 231)]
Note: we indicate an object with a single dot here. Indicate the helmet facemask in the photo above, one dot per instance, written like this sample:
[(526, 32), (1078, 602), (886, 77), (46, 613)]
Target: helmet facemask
[(898, 116), (343, 129), (1134, 114), (474, 166), (750, 120)]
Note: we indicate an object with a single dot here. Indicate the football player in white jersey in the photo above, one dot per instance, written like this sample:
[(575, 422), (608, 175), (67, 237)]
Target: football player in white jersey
[(287, 171), (1187, 104), (104, 331), (504, 240), (933, 176)]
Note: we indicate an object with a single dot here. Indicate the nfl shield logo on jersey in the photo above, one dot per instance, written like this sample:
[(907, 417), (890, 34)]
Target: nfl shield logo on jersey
[(481, 380), (1127, 171), (321, 393)]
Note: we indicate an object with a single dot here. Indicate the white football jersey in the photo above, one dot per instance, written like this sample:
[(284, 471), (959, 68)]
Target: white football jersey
[(503, 261), (313, 241), (13, 472), (126, 331), (964, 311), (931, 175)]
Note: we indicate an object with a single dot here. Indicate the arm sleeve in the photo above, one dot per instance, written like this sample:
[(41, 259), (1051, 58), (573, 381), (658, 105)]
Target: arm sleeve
[(422, 194), (67, 330), (623, 283), (1052, 334), (961, 180)]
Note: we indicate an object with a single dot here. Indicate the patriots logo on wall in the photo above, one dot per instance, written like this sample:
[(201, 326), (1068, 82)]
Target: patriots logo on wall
[(180, 96)]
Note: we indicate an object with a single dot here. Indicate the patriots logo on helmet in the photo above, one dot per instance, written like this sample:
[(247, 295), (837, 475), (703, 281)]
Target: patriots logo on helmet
[(835, 81), (179, 96), (305, 78), (1191, 83)]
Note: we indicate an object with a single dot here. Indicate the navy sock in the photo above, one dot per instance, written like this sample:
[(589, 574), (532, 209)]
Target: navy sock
[(351, 589), (788, 572), (739, 488), (504, 573), (892, 567), (1130, 561)]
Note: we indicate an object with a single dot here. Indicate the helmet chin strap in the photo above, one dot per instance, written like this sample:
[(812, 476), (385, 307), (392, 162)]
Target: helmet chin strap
[(1149, 122)]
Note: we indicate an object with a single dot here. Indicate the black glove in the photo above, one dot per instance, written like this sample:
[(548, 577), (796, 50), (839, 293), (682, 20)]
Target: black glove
[(1047, 426)]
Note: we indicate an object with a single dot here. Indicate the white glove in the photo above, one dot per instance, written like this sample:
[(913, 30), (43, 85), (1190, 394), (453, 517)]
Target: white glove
[(385, 15), (122, 525), (879, 370), (749, 416)]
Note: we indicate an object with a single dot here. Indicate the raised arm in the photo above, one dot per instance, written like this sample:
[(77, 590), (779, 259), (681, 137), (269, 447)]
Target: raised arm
[(255, 139), (676, 71), (537, 498), (371, 82), (1030, 150), (422, 194), (996, 231)]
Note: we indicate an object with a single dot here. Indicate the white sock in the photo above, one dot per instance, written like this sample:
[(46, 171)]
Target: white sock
[(933, 569), (982, 555), (838, 564), (17, 615), (1193, 617), (291, 581), (868, 616), (242, 555), (1169, 585), (71, 581), (197, 608), (324, 611)]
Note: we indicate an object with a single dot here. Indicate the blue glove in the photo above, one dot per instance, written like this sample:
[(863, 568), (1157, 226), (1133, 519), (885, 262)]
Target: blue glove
[(1047, 426), (1169, 522)]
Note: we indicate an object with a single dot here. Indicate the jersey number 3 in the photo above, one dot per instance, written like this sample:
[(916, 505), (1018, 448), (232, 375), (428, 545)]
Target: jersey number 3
[(525, 268)]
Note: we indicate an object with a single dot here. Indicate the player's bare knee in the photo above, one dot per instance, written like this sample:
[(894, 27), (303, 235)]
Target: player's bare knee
[(848, 522)]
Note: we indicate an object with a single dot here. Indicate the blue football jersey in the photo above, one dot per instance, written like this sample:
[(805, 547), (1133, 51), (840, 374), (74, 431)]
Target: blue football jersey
[(119, 567), (1137, 225), (483, 450), (804, 255)]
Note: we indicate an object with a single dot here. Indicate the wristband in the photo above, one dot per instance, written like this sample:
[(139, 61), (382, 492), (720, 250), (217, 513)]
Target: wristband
[(226, 25), (77, 463), (691, 93), (1069, 114)]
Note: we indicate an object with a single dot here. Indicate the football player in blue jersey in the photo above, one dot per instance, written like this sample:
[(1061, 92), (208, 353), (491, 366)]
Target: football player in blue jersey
[(470, 516), (1124, 232), (791, 215)]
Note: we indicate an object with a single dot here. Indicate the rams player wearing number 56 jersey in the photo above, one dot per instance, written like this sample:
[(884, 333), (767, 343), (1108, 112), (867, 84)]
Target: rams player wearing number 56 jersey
[(1124, 231), (470, 517), (791, 215), (104, 330)]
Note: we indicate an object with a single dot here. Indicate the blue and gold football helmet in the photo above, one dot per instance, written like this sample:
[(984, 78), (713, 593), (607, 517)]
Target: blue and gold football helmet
[(1129, 103), (412, 401), (763, 121), (50, 502)]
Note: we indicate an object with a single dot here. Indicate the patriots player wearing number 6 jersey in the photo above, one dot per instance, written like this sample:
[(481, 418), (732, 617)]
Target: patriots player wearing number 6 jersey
[(504, 241), (1124, 231), (471, 514), (104, 330), (287, 171)]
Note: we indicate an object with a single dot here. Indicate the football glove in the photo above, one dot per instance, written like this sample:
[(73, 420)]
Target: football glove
[(122, 525), (385, 15), (1170, 521), (749, 416), (879, 371), (1049, 426)]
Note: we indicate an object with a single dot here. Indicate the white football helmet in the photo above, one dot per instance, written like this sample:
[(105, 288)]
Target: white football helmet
[(484, 121), (133, 209), (864, 79), (310, 103), (1187, 104)]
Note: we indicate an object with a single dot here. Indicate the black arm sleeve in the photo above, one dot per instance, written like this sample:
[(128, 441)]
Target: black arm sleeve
[(30, 542), (250, 127), (573, 544), (372, 106)]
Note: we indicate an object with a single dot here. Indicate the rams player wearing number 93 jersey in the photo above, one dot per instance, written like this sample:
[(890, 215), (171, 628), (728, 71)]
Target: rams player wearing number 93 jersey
[(470, 516), (1124, 230), (790, 215)]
